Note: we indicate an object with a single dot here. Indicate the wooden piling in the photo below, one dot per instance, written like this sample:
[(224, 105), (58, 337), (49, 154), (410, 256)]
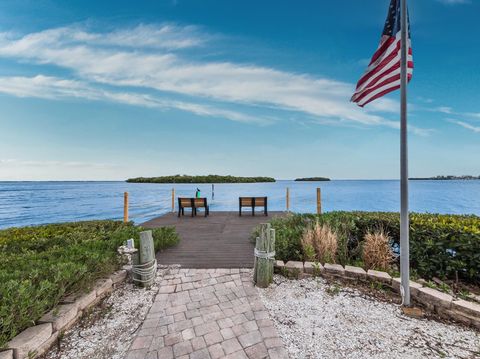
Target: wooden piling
[(173, 199), (288, 200), (319, 201), (265, 246), (125, 206)]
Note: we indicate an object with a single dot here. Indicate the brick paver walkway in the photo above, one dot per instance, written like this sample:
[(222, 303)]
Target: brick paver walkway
[(207, 313)]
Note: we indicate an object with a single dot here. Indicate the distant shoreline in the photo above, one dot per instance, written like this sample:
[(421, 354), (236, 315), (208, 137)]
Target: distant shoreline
[(312, 179), (446, 178), (200, 179)]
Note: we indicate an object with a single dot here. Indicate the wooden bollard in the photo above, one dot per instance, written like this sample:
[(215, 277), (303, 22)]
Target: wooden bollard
[(125, 207), (144, 265), (319, 201), (288, 199), (264, 256), (173, 199)]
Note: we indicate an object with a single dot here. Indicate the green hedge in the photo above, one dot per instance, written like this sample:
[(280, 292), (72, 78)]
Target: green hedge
[(41, 264), (440, 245)]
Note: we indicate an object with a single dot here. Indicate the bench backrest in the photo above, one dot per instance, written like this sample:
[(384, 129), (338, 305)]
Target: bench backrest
[(187, 202), (200, 202), (249, 201), (184, 202)]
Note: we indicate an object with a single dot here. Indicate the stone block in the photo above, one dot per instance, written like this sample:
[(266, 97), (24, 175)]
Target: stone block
[(278, 266), (313, 268), (118, 276), (104, 287), (27, 342), (355, 273), (334, 269), (7, 354), (45, 347), (295, 269), (469, 308), (86, 300), (60, 316), (379, 276), (430, 296), (414, 286)]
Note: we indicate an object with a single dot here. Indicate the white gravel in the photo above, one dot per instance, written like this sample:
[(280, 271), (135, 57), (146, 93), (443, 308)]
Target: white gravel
[(110, 328), (318, 320)]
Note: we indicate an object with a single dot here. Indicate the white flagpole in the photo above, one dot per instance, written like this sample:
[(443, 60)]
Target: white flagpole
[(404, 220)]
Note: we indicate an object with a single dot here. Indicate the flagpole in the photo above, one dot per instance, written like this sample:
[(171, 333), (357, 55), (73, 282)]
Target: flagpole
[(404, 220)]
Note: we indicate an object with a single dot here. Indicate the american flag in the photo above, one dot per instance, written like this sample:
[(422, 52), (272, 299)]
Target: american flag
[(383, 72)]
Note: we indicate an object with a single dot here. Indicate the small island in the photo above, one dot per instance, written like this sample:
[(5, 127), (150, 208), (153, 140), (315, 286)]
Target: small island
[(312, 179), (200, 179), (446, 178)]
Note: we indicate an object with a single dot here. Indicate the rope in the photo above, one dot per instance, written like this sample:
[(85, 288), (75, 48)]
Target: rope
[(145, 270), (264, 254)]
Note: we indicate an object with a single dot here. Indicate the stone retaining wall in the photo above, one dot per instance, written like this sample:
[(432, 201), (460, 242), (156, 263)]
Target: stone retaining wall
[(433, 300), (36, 340)]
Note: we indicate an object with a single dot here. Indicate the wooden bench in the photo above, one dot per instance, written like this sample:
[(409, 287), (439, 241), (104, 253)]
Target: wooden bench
[(194, 204), (252, 202)]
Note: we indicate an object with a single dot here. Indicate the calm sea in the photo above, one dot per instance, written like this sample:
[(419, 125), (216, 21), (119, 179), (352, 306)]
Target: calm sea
[(28, 203)]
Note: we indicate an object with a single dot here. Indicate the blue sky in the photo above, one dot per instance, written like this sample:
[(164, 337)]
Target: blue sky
[(110, 90)]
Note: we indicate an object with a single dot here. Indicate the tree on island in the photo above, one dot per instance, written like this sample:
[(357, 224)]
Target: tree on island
[(200, 179)]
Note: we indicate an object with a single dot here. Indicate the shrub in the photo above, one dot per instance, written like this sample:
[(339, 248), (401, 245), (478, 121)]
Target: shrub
[(440, 245), (377, 252), (39, 265), (320, 240)]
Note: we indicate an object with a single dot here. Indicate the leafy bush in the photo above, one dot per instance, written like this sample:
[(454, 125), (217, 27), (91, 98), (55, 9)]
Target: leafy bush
[(39, 265), (440, 245)]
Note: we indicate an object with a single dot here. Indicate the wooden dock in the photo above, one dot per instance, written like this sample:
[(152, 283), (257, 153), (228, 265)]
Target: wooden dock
[(221, 240)]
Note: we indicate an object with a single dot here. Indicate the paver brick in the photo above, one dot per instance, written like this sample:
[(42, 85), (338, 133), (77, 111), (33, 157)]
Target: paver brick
[(213, 338), (198, 343), (231, 345), (182, 348), (257, 351), (200, 354), (250, 338), (216, 351)]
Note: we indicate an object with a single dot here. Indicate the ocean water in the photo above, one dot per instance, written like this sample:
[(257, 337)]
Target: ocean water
[(30, 203)]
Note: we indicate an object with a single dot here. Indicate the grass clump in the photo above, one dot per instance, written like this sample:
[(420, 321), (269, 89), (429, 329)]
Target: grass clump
[(320, 243), (39, 265), (377, 252)]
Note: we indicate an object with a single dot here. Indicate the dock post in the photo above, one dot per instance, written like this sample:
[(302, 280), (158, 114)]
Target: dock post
[(125, 207), (319, 201), (144, 262), (288, 199), (173, 199), (264, 256)]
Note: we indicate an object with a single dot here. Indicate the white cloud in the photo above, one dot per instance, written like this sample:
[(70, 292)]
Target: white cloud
[(47, 87), (124, 58), (466, 125)]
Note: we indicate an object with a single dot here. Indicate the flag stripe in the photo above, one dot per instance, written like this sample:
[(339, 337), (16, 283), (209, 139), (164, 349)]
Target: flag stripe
[(383, 73), (389, 71)]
